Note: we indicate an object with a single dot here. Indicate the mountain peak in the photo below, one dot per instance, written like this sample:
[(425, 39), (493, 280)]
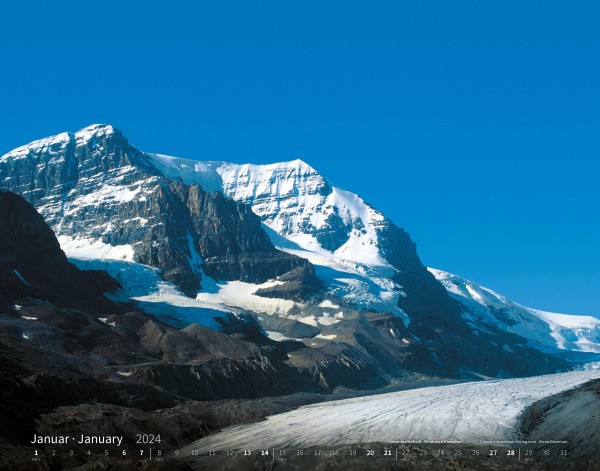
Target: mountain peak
[(95, 130), (299, 163), (98, 128), (298, 166), (60, 140)]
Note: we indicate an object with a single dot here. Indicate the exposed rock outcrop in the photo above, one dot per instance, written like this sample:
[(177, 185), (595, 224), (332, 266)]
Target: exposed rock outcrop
[(298, 284)]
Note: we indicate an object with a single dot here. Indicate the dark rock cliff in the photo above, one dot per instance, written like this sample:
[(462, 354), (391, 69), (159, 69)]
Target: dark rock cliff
[(32, 263)]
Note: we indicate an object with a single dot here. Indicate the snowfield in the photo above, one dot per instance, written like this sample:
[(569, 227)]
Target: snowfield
[(468, 412)]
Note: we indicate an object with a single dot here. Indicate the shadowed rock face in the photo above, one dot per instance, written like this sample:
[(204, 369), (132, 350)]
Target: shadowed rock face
[(93, 184), (427, 302), (32, 263)]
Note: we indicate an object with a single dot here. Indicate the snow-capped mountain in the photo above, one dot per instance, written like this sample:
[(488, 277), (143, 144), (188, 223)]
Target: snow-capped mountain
[(296, 202), (485, 308), (345, 239), (315, 263)]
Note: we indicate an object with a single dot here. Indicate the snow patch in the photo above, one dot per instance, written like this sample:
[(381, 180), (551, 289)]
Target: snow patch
[(87, 249), (278, 337), (241, 294), (326, 337), (327, 320), (328, 305), (310, 320)]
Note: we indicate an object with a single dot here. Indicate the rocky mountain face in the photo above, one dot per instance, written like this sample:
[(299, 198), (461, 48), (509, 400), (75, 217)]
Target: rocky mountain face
[(296, 202), (94, 185), (54, 319)]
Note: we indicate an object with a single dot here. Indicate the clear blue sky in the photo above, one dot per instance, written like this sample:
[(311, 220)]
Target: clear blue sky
[(474, 125)]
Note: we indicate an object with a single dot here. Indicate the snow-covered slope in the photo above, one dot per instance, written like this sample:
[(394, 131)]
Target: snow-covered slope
[(468, 412), (190, 172), (293, 200), (304, 215), (142, 285), (543, 329)]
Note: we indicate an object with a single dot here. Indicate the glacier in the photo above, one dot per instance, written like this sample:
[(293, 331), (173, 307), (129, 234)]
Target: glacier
[(469, 412)]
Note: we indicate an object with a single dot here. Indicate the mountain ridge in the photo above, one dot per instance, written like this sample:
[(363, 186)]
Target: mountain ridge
[(274, 240)]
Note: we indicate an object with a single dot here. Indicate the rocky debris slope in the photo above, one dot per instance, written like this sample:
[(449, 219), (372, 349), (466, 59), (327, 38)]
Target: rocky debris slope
[(66, 362)]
